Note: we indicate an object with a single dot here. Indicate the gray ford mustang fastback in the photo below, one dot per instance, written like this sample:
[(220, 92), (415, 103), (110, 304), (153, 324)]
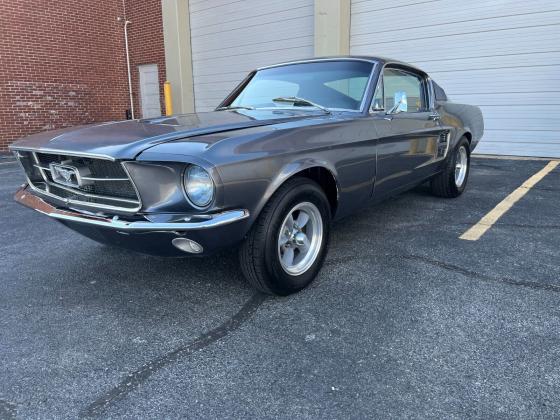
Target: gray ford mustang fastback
[(292, 148)]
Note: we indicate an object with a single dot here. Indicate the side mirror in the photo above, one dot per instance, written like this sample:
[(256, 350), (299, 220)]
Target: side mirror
[(401, 103)]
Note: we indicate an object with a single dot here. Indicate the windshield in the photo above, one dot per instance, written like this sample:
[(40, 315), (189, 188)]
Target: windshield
[(330, 84)]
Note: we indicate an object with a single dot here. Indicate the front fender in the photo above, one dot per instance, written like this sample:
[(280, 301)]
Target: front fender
[(251, 184), (290, 170)]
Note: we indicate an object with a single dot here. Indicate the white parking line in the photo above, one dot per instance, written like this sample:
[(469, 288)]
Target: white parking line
[(475, 232)]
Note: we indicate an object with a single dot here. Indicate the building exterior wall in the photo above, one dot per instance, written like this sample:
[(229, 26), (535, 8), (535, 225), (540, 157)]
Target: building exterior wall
[(62, 63)]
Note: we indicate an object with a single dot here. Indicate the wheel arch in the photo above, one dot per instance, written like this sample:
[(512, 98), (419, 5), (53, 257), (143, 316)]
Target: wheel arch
[(460, 133), (321, 172)]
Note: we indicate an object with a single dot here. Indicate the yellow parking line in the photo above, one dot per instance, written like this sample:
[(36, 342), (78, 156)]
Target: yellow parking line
[(475, 232)]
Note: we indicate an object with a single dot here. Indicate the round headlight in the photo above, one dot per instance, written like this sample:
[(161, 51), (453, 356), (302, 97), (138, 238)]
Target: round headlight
[(199, 186)]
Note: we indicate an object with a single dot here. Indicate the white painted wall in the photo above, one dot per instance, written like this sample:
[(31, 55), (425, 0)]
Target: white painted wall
[(502, 55), (229, 38)]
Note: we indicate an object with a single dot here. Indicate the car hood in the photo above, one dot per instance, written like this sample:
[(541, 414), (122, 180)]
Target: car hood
[(126, 139)]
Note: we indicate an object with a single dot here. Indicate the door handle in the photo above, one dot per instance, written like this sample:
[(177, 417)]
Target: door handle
[(434, 116)]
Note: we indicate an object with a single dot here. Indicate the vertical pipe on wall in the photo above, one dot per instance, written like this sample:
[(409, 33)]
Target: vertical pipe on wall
[(126, 23)]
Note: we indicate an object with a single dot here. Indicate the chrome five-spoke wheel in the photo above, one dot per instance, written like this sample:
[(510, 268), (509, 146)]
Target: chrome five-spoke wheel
[(284, 250), (300, 238), (461, 166), (452, 179)]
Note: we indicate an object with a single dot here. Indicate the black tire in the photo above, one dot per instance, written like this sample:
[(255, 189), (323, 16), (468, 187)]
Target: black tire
[(444, 184), (259, 254)]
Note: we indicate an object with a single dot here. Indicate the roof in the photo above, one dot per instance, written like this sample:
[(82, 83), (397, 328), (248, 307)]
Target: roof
[(367, 58)]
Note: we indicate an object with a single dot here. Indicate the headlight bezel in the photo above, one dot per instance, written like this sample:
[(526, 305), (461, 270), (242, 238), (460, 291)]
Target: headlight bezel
[(185, 180)]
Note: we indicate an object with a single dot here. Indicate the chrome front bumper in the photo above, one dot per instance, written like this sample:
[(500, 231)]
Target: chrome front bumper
[(198, 222)]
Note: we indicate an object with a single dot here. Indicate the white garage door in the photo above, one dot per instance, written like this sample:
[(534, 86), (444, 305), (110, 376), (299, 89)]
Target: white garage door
[(231, 37), (502, 55)]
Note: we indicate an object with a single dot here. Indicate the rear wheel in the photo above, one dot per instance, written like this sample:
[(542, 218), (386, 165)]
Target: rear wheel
[(453, 180), (286, 247)]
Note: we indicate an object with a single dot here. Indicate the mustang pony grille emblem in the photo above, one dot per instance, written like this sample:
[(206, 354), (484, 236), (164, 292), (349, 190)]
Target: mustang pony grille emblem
[(65, 175)]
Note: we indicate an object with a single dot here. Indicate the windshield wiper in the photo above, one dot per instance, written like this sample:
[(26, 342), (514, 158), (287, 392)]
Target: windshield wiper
[(223, 108), (297, 101)]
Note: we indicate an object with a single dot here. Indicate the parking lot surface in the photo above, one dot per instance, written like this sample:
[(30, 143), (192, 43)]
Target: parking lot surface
[(404, 320)]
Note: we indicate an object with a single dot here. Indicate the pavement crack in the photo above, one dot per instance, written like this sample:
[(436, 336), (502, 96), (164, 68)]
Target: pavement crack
[(136, 378), (484, 277), (450, 267)]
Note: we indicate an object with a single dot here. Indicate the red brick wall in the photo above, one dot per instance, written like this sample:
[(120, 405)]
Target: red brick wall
[(62, 62)]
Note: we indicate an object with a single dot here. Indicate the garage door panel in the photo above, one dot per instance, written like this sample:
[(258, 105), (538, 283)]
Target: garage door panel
[(526, 40), (208, 104), (213, 99), (451, 19), (428, 7), (542, 79), (522, 136), (197, 6), (256, 24), (527, 99), (497, 61), (526, 124), (518, 149), (248, 44), (364, 6), (214, 94), (236, 14), (226, 78), (243, 38), (262, 46), (230, 38), (500, 27), (501, 55), (243, 63), (551, 113), (428, 55), (219, 88)]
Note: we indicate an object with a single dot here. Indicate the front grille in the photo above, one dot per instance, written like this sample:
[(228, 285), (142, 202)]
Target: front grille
[(105, 183)]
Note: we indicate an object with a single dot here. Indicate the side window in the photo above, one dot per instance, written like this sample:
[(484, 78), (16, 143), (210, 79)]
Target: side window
[(405, 87)]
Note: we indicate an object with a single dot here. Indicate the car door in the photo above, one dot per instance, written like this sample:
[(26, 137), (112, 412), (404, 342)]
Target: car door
[(408, 131)]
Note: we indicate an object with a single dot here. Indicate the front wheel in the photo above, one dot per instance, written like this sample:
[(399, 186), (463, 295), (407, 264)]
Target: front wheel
[(286, 247), (453, 180)]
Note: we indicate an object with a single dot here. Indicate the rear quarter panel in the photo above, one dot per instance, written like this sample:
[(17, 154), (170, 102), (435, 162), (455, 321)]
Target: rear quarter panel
[(461, 118)]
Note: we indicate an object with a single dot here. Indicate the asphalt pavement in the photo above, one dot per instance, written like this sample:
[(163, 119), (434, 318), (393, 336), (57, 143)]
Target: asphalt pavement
[(405, 320)]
